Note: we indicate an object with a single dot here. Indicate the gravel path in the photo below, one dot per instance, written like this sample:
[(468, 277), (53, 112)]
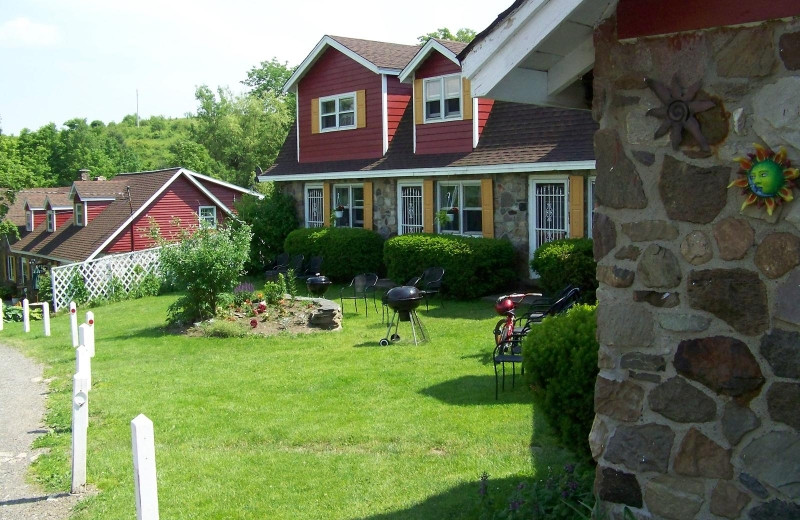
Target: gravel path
[(21, 421)]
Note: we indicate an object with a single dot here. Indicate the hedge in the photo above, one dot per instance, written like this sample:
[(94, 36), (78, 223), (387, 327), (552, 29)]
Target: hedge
[(473, 267), (560, 359), (567, 261), (345, 252)]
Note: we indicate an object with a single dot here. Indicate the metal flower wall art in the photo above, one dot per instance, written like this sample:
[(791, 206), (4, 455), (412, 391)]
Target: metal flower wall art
[(678, 111), (767, 178)]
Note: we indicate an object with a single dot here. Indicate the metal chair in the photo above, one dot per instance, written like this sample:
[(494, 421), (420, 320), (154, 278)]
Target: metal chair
[(431, 283), (281, 261), (313, 268), (294, 265), (359, 288)]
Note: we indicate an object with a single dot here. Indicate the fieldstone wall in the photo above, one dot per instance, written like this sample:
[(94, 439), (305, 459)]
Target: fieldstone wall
[(698, 397)]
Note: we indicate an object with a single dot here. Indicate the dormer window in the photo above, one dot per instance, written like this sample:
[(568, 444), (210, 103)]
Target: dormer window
[(337, 112), (51, 221), (442, 98), (29, 220), (80, 215)]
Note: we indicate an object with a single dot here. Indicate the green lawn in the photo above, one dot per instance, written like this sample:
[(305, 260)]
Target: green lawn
[(327, 425)]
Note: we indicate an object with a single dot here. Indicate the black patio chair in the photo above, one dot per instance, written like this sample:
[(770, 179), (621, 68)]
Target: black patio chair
[(281, 261), (313, 268), (509, 338), (430, 283), (295, 264), (360, 287)]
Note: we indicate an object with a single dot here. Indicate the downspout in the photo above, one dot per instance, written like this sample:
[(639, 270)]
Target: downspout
[(130, 206)]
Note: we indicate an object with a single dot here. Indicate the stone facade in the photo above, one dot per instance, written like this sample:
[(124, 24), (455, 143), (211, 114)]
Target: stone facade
[(698, 395)]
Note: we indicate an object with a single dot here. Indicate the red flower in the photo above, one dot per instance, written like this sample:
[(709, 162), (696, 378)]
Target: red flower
[(254, 323)]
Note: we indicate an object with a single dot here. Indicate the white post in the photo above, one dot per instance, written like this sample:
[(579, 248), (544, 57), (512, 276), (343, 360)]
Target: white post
[(73, 321), (46, 317), (83, 361), (1, 314), (144, 468), (90, 333), (80, 423), (26, 316)]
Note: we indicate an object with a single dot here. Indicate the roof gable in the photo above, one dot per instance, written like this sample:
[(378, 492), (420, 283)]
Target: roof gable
[(378, 57), (446, 48)]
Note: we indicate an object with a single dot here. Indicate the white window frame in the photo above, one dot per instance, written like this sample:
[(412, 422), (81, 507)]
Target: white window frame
[(348, 220), (458, 201), (29, 220), (51, 221), (82, 220), (590, 188), (533, 209), (413, 228), (10, 270), (437, 85), (310, 221), (338, 112), (207, 220), (23, 269)]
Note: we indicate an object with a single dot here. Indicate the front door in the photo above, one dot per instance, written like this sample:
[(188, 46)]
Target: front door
[(548, 218)]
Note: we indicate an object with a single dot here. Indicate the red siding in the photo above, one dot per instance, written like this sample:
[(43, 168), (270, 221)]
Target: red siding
[(447, 136), (95, 208), (225, 195), (484, 109), (62, 217), (181, 199), (398, 98), (637, 18), (38, 218), (335, 73)]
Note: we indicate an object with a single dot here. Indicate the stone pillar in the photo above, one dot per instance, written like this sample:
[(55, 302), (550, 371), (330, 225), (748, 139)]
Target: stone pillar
[(698, 397)]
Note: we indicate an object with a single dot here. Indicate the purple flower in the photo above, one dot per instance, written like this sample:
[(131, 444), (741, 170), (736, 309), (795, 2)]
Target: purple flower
[(572, 484), (569, 468), (565, 493), (514, 505)]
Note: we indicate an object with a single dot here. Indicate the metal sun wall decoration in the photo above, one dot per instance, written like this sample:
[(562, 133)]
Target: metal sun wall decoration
[(678, 111), (767, 178)]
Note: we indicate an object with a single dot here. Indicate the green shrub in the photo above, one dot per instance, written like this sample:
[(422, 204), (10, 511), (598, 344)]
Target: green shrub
[(273, 291), (150, 285), (45, 286), (560, 359), (76, 290), (14, 313), (472, 266), (271, 219), (223, 329), (346, 252), (567, 261)]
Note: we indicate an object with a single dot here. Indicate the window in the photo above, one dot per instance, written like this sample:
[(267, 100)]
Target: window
[(208, 216), (10, 274), (29, 220), (79, 214), (51, 221), (337, 112), (348, 205), (23, 269), (410, 204), (459, 209), (549, 212), (442, 98), (314, 210)]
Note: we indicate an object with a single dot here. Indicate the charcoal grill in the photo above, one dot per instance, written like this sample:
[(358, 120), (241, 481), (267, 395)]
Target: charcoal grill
[(317, 285), (404, 302)]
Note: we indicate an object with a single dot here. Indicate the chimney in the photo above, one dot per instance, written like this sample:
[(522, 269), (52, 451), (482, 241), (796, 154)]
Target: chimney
[(84, 174)]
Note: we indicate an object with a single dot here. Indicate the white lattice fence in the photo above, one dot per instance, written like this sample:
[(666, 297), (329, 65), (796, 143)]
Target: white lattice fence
[(102, 276)]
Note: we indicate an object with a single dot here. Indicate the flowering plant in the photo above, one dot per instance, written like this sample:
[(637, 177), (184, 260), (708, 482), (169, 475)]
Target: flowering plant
[(453, 210), (339, 208)]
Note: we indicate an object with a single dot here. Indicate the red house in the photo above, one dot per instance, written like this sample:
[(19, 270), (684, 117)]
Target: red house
[(91, 219), (388, 137)]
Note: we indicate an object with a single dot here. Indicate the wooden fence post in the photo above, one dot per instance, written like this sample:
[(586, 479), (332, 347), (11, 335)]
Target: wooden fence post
[(144, 468), (46, 317), (73, 322), (26, 315), (83, 361), (80, 423), (90, 333)]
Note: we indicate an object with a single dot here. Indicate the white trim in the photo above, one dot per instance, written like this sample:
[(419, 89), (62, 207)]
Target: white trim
[(46, 257), (590, 189), (548, 179), (82, 205), (459, 203), (29, 206), (47, 215), (336, 98), (421, 55), (409, 184), (29, 220), (414, 116), (208, 194), (97, 199), (222, 183), (297, 124), (307, 207), (314, 55), (351, 204), (385, 111), (429, 172), (200, 215), (475, 135), (443, 117), (571, 67)]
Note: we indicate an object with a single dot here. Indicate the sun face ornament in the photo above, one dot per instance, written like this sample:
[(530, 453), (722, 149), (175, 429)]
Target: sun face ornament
[(767, 178)]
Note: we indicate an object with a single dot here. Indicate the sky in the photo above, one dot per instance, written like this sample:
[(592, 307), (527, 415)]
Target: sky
[(62, 59)]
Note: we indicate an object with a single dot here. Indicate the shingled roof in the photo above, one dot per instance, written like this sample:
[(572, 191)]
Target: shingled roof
[(514, 134), (383, 54)]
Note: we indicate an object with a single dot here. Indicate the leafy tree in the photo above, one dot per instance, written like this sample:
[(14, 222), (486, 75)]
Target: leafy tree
[(271, 219), (205, 263), (194, 156), (443, 33), (268, 76)]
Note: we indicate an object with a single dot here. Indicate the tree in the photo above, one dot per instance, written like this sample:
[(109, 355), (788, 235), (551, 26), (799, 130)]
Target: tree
[(462, 35), (271, 219), (205, 263), (269, 76)]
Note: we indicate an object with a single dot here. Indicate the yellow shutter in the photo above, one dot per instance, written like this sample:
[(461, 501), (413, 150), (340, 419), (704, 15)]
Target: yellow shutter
[(576, 206), (418, 101), (487, 208), (326, 204), (361, 108), (367, 205), (315, 116), (427, 206), (467, 98)]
